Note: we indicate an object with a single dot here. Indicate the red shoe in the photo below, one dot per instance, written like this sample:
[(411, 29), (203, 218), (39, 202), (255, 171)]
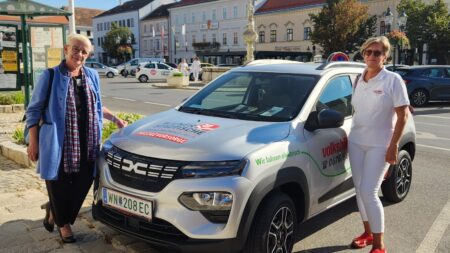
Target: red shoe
[(378, 251), (362, 241)]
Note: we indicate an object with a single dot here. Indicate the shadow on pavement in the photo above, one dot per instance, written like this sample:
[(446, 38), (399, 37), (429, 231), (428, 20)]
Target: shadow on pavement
[(329, 249), (433, 108)]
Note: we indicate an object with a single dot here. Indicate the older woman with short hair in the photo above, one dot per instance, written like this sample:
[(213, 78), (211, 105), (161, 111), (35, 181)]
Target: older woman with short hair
[(68, 141), (380, 103)]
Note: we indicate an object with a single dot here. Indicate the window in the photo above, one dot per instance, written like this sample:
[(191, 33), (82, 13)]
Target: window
[(145, 28), (104, 26), (224, 13), (128, 23), (307, 33), (108, 26), (337, 96), (78, 31), (132, 22), (193, 17), (204, 37), (177, 21), (388, 28), (382, 28), (235, 38), (158, 46), (290, 34), (434, 72), (98, 42), (184, 18), (214, 40), (162, 66), (214, 18), (224, 39), (193, 38), (235, 11), (262, 37), (88, 32), (145, 45), (273, 35), (150, 66)]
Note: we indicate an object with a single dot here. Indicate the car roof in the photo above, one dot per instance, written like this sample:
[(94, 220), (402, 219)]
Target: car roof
[(425, 66), (294, 67)]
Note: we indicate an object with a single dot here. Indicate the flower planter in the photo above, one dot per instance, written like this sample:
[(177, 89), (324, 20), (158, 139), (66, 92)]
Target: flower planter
[(178, 81)]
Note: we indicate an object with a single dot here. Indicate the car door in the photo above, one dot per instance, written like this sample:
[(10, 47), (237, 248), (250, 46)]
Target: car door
[(330, 167), (100, 68), (152, 71), (438, 82), (163, 71)]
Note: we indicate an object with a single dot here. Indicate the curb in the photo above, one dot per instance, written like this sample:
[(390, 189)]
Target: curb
[(194, 86), (11, 108), (17, 153)]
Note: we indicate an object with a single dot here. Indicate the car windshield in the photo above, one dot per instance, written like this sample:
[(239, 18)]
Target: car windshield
[(253, 96), (402, 72)]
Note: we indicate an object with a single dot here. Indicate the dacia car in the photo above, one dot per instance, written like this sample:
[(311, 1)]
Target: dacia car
[(240, 164)]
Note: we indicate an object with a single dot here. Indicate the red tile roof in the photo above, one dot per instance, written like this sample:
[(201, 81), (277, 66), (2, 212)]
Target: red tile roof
[(43, 19), (83, 16), (275, 5)]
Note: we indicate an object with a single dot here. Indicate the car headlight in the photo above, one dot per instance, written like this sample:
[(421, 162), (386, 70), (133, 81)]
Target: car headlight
[(214, 206), (213, 169), (107, 146)]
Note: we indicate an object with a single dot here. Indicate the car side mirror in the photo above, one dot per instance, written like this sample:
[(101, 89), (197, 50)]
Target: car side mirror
[(326, 118)]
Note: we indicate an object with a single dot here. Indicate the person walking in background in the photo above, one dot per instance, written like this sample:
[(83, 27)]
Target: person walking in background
[(380, 103), (196, 68), (68, 141), (184, 67)]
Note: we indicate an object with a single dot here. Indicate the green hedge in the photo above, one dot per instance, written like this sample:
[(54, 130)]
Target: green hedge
[(12, 97)]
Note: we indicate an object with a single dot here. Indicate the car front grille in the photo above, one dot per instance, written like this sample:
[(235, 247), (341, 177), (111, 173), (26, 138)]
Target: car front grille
[(141, 172)]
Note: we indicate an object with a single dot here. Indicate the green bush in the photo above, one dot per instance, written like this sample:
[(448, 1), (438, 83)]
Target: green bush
[(19, 136), (177, 74), (9, 98), (109, 128)]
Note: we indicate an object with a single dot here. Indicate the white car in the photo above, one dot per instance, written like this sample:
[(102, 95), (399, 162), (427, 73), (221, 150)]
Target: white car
[(154, 71), (102, 69)]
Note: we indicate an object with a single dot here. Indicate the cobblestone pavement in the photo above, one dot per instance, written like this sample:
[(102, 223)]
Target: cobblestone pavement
[(21, 194)]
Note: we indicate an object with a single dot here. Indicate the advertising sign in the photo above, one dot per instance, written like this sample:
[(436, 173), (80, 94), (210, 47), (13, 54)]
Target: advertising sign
[(9, 60)]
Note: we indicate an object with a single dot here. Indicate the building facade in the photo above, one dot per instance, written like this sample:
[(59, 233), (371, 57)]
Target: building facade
[(154, 30), (211, 30), (128, 15)]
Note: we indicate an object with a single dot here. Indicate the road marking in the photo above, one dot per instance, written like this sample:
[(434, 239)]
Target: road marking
[(127, 99), (166, 105), (437, 230), (433, 147), (426, 135), (431, 116), (430, 124)]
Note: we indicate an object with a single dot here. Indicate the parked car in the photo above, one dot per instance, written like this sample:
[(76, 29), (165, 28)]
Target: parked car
[(240, 164), (129, 67), (102, 69), (227, 65), (154, 71), (426, 83), (202, 65), (173, 65), (391, 66)]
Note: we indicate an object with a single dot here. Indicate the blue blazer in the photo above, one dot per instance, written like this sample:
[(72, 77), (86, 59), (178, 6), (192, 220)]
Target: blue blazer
[(51, 133)]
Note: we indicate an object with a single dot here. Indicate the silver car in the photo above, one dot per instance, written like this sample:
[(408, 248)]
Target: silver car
[(102, 69), (241, 163)]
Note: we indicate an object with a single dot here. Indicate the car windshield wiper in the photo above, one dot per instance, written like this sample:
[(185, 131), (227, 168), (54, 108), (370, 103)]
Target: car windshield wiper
[(208, 112)]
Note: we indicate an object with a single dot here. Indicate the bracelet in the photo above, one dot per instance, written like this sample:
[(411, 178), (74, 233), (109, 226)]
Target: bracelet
[(113, 119)]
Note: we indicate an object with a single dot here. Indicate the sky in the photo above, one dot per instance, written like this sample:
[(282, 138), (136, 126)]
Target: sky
[(94, 4)]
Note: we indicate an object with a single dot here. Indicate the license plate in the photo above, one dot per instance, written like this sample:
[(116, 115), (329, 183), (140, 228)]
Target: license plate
[(127, 203)]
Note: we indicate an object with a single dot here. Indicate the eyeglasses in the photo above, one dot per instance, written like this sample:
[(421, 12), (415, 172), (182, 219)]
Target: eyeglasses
[(77, 50), (375, 53)]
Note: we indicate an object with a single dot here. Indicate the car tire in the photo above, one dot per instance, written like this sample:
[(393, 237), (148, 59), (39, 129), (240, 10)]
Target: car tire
[(396, 187), (124, 73), (274, 226), (143, 78), (110, 74), (419, 97)]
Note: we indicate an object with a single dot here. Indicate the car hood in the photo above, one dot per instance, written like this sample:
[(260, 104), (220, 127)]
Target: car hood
[(175, 135)]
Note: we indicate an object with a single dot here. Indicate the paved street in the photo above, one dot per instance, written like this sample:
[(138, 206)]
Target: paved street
[(418, 224)]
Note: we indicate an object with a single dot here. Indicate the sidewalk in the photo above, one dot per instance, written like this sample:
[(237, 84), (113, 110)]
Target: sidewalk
[(21, 194)]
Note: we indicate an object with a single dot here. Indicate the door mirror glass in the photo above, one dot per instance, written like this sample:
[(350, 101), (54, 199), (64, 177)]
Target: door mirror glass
[(326, 118)]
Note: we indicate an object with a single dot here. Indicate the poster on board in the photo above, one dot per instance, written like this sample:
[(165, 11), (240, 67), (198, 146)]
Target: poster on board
[(9, 57)]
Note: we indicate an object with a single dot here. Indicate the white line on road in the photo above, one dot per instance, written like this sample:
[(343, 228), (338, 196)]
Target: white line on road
[(430, 124), (127, 99), (166, 105), (437, 230), (426, 135), (432, 116), (433, 147)]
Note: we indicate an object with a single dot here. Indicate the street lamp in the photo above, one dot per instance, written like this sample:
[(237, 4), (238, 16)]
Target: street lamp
[(401, 25), (388, 19)]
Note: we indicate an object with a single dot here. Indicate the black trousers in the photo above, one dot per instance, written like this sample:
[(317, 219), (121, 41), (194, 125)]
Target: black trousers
[(68, 193)]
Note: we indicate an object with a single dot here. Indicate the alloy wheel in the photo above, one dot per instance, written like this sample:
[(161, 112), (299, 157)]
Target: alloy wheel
[(419, 98), (403, 177), (281, 230)]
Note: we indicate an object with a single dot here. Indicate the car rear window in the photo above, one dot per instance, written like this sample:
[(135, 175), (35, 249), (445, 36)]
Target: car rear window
[(402, 72)]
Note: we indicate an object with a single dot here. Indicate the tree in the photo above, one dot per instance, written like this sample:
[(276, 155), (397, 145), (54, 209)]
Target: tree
[(428, 23), (117, 43), (342, 25)]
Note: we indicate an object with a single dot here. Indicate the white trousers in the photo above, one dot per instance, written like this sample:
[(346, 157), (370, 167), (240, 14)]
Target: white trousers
[(195, 73), (368, 168)]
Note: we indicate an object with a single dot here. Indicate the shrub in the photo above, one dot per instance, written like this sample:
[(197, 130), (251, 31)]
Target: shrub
[(177, 74), (19, 136), (9, 98), (109, 128)]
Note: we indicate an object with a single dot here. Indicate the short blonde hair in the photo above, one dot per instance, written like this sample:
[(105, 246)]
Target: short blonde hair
[(81, 38), (382, 40)]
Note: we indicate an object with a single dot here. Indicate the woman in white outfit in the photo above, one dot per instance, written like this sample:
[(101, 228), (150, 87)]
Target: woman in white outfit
[(380, 101), (184, 67), (196, 68)]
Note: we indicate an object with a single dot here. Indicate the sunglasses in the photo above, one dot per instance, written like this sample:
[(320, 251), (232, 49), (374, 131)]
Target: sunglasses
[(375, 53), (77, 50)]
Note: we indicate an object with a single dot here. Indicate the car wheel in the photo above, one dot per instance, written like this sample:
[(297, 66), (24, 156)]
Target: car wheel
[(124, 73), (143, 78), (396, 187), (274, 226), (419, 97), (110, 74), (133, 72)]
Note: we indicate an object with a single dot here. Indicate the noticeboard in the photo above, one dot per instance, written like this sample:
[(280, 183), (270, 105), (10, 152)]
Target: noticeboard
[(9, 58), (47, 43)]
